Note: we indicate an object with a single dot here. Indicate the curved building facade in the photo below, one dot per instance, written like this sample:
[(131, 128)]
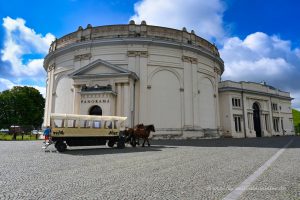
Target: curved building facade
[(152, 75)]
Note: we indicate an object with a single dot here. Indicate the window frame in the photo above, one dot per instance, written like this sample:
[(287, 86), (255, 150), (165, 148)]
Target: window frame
[(237, 123), (236, 102)]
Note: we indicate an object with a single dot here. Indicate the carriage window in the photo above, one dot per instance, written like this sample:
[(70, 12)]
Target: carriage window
[(108, 125), (58, 123), (82, 123), (87, 124), (71, 123), (97, 124), (121, 125), (115, 124)]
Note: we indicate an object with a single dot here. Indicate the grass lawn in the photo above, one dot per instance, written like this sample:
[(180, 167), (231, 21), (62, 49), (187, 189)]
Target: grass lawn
[(296, 116), (19, 137)]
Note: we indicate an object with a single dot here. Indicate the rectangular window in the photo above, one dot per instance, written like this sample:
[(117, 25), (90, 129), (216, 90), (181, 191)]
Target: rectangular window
[(274, 106), (237, 123), (267, 122), (275, 124), (249, 121), (236, 102)]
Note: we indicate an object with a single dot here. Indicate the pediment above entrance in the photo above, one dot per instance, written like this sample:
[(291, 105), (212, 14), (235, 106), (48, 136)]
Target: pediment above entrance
[(102, 68)]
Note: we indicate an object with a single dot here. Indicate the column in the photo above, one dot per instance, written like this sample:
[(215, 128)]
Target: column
[(49, 95), (280, 125), (127, 112), (137, 103), (246, 116), (217, 107), (250, 123), (217, 79), (143, 104), (132, 101), (267, 123), (77, 98), (119, 100), (272, 131), (263, 125), (46, 102), (137, 62), (188, 92), (131, 60), (195, 94)]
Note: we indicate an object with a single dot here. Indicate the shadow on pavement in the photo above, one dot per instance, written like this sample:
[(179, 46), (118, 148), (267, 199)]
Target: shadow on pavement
[(159, 145), (263, 142), (100, 150)]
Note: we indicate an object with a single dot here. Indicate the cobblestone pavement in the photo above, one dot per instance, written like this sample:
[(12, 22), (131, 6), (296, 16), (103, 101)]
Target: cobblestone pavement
[(177, 169)]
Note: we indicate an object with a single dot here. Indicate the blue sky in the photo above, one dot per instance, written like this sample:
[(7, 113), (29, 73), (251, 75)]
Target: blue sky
[(258, 40)]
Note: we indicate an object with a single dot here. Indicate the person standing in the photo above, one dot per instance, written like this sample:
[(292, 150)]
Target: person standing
[(47, 133)]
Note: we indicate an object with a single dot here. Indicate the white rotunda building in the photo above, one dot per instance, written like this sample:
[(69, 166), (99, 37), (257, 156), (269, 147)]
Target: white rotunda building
[(152, 75)]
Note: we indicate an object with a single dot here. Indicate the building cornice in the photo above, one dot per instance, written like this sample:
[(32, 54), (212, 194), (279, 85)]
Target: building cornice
[(79, 73), (99, 92), (107, 75), (233, 89), (124, 41)]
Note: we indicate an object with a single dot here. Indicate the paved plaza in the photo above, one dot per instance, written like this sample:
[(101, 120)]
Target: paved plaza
[(169, 169)]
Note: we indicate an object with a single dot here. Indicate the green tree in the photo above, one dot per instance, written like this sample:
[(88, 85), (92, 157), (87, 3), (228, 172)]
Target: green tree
[(23, 106)]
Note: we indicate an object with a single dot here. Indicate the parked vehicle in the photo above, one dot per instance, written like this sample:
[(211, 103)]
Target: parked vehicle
[(86, 130), (4, 131)]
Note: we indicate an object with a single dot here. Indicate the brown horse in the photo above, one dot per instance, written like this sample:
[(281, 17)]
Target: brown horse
[(143, 131)]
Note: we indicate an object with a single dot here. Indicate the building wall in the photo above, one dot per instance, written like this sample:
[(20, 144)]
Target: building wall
[(165, 101), (250, 94)]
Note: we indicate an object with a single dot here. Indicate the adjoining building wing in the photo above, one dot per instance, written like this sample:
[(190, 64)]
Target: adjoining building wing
[(250, 109)]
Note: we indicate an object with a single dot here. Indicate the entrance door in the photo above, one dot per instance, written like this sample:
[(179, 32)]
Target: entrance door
[(256, 119), (95, 110)]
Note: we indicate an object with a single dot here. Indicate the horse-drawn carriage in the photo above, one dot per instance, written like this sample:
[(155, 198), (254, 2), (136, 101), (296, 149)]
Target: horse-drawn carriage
[(89, 130)]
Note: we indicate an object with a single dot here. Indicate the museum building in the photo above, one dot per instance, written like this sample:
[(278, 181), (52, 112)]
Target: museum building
[(161, 76)]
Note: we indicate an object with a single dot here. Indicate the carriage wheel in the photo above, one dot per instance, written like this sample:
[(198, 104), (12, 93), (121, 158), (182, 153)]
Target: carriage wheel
[(111, 143), (60, 146)]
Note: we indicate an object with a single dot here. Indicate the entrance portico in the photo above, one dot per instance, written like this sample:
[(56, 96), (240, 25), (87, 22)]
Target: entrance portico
[(104, 88)]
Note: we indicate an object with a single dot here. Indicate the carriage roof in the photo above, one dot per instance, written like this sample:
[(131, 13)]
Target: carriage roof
[(86, 117)]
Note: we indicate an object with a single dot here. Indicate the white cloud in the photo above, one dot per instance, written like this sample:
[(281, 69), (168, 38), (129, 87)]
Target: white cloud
[(258, 57), (261, 57), (205, 17), (21, 41), (6, 84)]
